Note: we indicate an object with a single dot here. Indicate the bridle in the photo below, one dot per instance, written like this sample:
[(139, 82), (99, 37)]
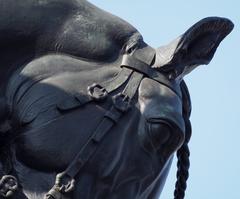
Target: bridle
[(134, 67)]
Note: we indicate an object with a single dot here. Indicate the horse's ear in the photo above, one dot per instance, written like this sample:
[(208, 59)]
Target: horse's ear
[(196, 46)]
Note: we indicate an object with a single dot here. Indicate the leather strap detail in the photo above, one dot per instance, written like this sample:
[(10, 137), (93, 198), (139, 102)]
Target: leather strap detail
[(117, 81), (131, 62), (82, 97), (132, 67), (121, 104), (73, 102), (145, 54)]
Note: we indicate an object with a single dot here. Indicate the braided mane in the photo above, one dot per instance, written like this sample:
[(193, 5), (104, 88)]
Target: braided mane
[(183, 153)]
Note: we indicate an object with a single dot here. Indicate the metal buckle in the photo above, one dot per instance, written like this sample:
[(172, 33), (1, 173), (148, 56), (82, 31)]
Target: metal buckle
[(97, 92), (121, 102), (64, 182), (8, 185)]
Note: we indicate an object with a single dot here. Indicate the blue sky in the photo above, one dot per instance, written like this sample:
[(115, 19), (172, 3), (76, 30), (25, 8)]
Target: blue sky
[(215, 93)]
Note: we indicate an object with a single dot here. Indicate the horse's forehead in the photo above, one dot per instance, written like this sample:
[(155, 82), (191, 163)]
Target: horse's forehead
[(154, 97)]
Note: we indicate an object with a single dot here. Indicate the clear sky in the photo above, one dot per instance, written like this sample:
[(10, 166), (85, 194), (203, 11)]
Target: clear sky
[(215, 93)]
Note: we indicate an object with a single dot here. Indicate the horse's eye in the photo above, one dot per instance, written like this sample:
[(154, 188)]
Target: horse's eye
[(159, 133)]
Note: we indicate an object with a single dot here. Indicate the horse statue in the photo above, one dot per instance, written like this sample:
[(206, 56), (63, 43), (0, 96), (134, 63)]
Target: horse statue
[(88, 110)]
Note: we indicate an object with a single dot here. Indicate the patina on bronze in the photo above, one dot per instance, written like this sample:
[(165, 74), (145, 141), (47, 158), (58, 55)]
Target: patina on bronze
[(88, 109)]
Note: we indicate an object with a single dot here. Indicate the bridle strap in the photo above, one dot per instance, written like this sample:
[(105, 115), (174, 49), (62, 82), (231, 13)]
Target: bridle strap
[(82, 97), (129, 61), (121, 102)]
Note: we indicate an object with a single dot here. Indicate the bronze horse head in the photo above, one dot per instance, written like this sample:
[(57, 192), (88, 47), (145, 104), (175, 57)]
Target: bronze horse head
[(88, 109)]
